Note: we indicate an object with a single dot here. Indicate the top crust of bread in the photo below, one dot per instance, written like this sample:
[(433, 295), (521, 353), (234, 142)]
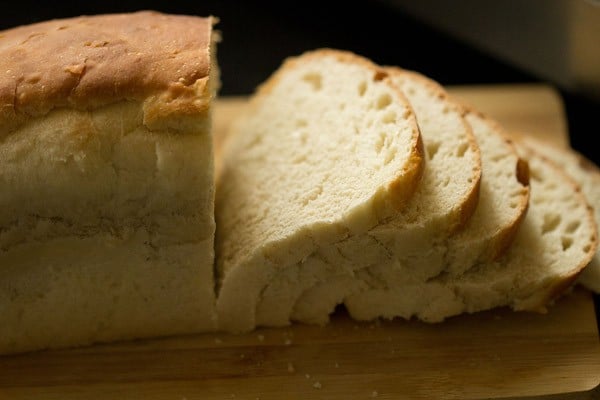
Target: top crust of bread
[(89, 61)]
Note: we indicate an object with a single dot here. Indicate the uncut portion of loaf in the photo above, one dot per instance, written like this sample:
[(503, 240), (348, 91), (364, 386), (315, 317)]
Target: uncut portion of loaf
[(328, 149), (503, 202), (587, 175), (444, 200), (556, 240), (106, 174)]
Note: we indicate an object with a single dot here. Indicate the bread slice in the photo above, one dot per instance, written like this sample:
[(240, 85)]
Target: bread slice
[(556, 240), (503, 202), (587, 175), (328, 149), (444, 201), (503, 199), (106, 174)]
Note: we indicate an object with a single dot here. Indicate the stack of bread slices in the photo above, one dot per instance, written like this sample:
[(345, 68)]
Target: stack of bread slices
[(350, 183)]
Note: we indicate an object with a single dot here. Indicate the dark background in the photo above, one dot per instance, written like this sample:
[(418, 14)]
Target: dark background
[(257, 36)]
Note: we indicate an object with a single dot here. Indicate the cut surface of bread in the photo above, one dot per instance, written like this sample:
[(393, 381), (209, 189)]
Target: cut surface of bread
[(555, 241), (106, 174), (503, 199), (587, 175), (502, 205), (449, 192), (444, 200), (328, 149)]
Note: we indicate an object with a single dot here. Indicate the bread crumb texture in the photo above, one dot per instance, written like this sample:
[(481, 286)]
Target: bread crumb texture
[(329, 148)]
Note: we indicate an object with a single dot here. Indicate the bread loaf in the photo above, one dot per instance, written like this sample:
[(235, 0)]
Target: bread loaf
[(106, 174), (328, 149), (344, 182)]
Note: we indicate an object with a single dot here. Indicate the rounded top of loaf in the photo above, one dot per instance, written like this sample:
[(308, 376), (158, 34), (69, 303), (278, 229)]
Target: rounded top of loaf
[(89, 61)]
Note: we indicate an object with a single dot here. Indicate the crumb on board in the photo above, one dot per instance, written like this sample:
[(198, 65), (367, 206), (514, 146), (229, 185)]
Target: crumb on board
[(317, 385), (374, 393), (261, 338), (290, 368)]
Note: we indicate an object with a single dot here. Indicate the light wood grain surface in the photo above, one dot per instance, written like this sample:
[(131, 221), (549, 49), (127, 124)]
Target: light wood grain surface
[(493, 354), (529, 109)]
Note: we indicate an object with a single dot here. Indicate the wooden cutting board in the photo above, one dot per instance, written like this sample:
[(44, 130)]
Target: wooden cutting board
[(488, 355)]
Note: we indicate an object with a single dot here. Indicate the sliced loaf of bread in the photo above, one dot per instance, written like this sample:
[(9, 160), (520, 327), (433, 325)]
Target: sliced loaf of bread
[(556, 240), (444, 201), (328, 149), (587, 175), (503, 201)]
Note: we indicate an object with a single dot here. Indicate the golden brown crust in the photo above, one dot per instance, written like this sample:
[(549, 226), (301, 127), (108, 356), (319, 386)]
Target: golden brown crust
[(402, 189), (89, 61), (544, 297)]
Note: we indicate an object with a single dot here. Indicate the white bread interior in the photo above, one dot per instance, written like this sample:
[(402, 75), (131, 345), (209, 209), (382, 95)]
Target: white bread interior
[(555, 241), (329, 147), (587, 176), (444, 200)]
